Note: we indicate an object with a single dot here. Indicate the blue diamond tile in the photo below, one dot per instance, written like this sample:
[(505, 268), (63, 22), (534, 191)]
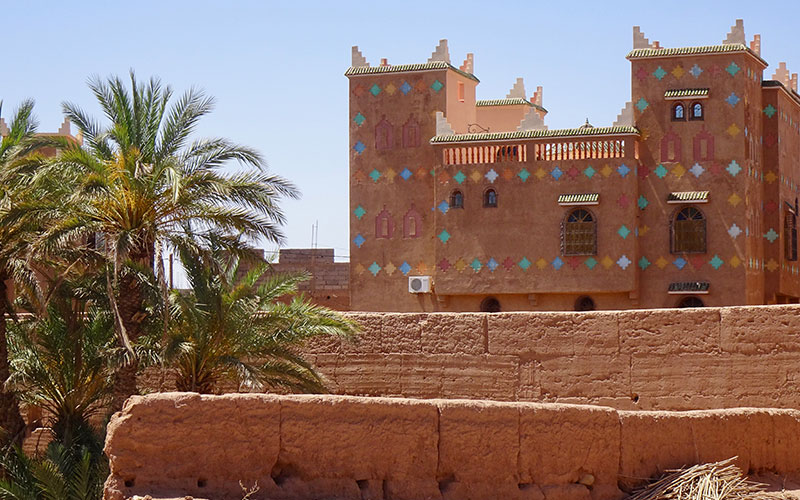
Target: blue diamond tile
[(697, 170), (406, 174), (732, 99), (589, 172), (770, 111), (696, 70), (642, 202), (375, 174), (771, 235), (405, 88), (475, 265), (437, 86), (659, 73), (460, 177), (642, 104), (734, 231), (359, 119), (443, 206), (375, 90), (557, 263), (524, 174), (374, 268), (661, 171), (359, 147), (491, 175), (590, 262), (359, 212), (359, 240), (623, 231), (404, 268), (733, 68), (444, 236), (624, 262), (524, 263), (623, 170), (733, 168), (644, 263), (492, 264), (556, 173), (680, 262), (716, 262)]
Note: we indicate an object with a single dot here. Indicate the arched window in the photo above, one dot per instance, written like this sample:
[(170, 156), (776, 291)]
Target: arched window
[(490, 198), (384, 226), (412, 223), (696, 111), (490, 305), (689, 231), (678, 112), (690, 301), (790, 235), (584, 303), (457, 199), (411, 135), (579, 233), (384, 136)]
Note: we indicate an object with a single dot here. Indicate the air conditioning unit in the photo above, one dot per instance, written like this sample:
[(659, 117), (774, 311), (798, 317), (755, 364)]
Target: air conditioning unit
[(419, 284)]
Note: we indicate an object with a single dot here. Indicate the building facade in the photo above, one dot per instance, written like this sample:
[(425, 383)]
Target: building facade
[(688, 199)]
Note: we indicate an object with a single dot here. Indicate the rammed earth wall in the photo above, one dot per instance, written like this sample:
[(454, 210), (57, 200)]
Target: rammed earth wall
[(298, 447), (664, 359)]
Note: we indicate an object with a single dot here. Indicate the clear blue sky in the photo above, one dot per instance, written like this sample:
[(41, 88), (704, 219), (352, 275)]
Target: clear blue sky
[(276, 69)]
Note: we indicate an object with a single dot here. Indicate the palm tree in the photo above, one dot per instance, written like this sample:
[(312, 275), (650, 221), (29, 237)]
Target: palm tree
[(138, 182), (230, 328), (16, 165)]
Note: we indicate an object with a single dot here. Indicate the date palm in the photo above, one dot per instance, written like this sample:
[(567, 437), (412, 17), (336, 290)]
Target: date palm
[(139, 180), (248, 329)]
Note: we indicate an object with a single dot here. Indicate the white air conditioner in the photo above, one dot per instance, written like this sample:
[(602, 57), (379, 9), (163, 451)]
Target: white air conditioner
[(419, 284)]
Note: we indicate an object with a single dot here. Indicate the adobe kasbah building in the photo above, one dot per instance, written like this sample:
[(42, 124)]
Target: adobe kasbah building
[(689, 198)]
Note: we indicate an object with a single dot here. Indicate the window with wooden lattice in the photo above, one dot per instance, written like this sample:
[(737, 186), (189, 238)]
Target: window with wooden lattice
[(688, 231), (790, 235), (579, 233)]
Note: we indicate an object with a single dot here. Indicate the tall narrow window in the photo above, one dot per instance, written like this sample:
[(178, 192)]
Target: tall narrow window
[(411, 135), (671, 147), (384, 137), (384, 226), (461, 91), (579, 233), (412, 223), (457, 199), (790, 235), (689, 231), (490, 198), (678, 112), (696, 111)]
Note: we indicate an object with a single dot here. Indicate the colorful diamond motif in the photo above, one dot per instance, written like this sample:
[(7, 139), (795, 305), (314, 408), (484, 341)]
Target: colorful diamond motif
[(589, 172), (573, 262), (661, 262), (733, 68), (359, 240), (359, 119), (678, 171), (444, 265), (359, 212), (444, 236), (623, 231), (733, 130), (437, 86), (406, 174), (771, 235), (734, 261), (643, 171), (770, 177), (771, 265), (733, 99), (540, 174), (443, 206), (475, 265), (642, 202), (475, 176), (375, 175), (557, 263), (524, 174), (541, 263), (643, 230), (405, 268), (391, 174), (375, 90), (659, 73), (389, 269), (680, 262), (459, 177), (624, 262), (374, 268), (678, 72), (623, 170), (556, 173), (390, 89), (716, 262), (590, 262), (492, 264), (660, 171), (360, 269), (606, 171), (644, 263), (696, 70), (734, 199), (733, 168), (460, 265), (642, 104), (524, 263), (607, 262), (697, 170), (623, 201), (359, 147), (770, 110), (734, 231), (572, 172), (491, 175), (405, 88)]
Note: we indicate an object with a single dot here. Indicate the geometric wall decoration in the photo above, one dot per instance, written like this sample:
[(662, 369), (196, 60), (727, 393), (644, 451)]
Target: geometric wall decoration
[(384, 225)]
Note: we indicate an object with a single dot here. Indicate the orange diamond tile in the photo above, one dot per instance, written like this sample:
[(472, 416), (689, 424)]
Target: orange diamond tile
[(770, 177), (734, 261), (389, 269), (475, 176), (460, 264), (733, 130), (508, 174), (678, 72), (541, 263), (734, 199), (643, 230), (661, 262), (607, 262), (540, 173), (390, 174), (390, 89), (678, 171), (606, 170), (771, 265), (359, 268)]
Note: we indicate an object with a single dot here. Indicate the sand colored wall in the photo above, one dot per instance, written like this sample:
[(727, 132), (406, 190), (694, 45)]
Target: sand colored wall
[(180, 444), (640, 359)]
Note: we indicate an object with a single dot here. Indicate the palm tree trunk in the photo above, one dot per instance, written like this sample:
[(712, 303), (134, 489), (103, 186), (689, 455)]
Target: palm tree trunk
[(132, 313), (11, 421)]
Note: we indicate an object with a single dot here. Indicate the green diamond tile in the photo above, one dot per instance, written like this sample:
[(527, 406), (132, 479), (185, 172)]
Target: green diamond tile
[(359, 212), (475, 265), (374, 268), (733, 68), (642, 202), (375, 175), (589, 172), (590, 262), (375, 90), (770, 111), (359, 119), (644, 263), (444, 236), (524, 174), (460, 177), (524, 263), (659, 73), (716, 262), (661, 171), (642, 104), (623, 231), (437, 86)]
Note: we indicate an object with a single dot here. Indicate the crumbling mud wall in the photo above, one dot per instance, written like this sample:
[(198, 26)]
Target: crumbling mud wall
[(300, 447), (670, 359)]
